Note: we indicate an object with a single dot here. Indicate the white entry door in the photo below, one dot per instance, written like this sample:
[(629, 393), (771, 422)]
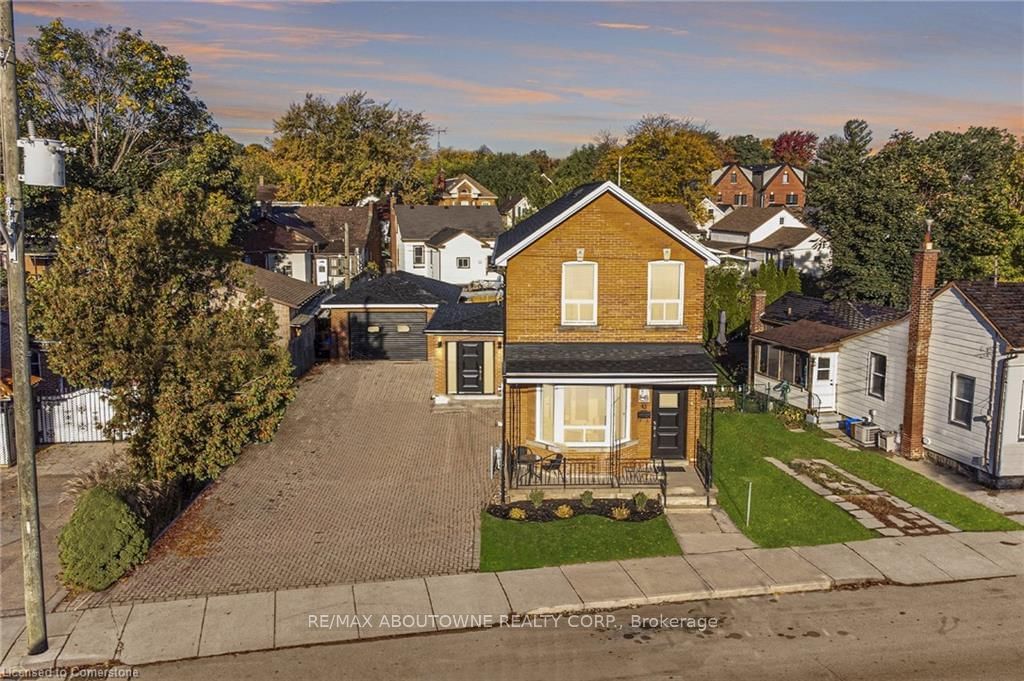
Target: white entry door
[(321, 271), (826, 371)]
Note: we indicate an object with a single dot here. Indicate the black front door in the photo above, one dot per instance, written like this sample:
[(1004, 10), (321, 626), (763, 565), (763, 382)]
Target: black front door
[(669, 424), (471, 368)]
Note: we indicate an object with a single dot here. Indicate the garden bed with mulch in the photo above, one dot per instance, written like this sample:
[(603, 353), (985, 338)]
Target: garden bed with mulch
[(555, 509)]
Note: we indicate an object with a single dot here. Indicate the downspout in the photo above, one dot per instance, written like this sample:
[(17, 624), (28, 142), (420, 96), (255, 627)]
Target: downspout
[(504, 389), (998, 434), (988, 459)]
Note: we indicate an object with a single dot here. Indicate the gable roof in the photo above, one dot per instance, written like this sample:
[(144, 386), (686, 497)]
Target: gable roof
[(281, 232), (784, 237), (419, 223), (842, 314), (677, 215), (555, 213), (281, 288), (330, 222), (468, 318), (1001, 304), (446, 235), (450, 184), (745, 220), (508, 204), (396, 288)]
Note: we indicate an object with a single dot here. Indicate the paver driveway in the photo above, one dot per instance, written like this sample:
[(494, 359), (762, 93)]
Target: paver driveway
[(361, 482)]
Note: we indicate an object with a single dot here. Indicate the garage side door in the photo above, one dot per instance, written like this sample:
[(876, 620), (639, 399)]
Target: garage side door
[(387, 335)]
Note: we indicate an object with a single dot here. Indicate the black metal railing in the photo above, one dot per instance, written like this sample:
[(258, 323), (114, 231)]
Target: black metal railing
[(552, 472), (705, 466)]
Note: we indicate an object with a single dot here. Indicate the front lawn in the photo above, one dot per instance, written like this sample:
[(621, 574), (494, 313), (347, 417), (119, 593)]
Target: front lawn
[(517, 545), (787, 513)]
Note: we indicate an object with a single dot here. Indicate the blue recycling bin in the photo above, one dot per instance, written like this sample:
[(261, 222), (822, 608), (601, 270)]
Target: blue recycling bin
[(847, 425)]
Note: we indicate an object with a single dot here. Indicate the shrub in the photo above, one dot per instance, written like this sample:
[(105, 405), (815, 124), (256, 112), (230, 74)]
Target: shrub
[(101, 542), (564, 511), (640, 500), (537, 498), (587, 499), (620, 513), (516, 513)]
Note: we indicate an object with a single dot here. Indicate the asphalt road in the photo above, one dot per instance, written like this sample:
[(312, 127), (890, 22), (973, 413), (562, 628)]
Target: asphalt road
[(970, 630)]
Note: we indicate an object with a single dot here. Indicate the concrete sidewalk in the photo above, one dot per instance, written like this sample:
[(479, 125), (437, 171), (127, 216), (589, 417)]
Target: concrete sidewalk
[(145, 633)]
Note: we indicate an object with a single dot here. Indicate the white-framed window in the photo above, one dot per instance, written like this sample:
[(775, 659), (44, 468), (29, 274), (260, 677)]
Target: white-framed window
[(285, 267), (583, 415), (35, 363), (824, 368), (771, 197), (579, 293), (785, 177), (418, 256), (733, 177), (665, 292), (791, 199), (961, 401), (462, 263), (334, 266), (876, 375), (739, 199)]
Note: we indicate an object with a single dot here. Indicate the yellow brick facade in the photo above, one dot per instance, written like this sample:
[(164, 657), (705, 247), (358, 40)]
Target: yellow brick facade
[(437, 347)]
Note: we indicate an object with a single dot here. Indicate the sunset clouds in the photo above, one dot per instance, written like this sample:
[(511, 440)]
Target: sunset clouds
[(519, 76)]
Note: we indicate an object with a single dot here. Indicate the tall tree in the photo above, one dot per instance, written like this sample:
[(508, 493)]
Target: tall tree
[(665, 159), (579, 167), (341, 152), (123, 101), (795, 147), (146, 298), (748, 150)]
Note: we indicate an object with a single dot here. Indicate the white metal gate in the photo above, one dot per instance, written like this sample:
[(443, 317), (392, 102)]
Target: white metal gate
[(78, 416)]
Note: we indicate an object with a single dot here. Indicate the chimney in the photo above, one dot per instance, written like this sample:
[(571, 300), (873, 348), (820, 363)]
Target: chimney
[(756, 310), (926, 260)]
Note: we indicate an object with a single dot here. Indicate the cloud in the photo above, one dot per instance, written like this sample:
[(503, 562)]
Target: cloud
[(96, 11), (474, 92), (604, 94), (624, 26)]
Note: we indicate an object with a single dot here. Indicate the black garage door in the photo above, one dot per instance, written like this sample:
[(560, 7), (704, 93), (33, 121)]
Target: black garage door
[(387, 335)]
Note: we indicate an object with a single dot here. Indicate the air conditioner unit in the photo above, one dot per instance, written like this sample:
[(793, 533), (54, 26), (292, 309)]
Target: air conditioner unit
[(887, 440), (866, 433)]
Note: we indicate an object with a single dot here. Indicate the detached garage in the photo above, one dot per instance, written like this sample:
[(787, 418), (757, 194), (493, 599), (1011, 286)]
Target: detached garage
[(384, 318)]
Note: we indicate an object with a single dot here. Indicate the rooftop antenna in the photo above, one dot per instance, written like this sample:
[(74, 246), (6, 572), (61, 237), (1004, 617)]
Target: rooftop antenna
[(439, 132)]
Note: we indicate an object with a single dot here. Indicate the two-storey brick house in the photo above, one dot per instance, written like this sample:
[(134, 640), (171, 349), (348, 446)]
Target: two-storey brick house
[(760, 186), (604, 306)]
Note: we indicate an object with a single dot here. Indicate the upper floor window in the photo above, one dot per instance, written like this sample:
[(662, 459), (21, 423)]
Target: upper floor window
[(417, 256), (791, 199), (771, 197), (876, 375), (961, 401), (718, 199), (665, 292), (785, 177), (739, 199), (579, 293), (733, 177), (462, 263)]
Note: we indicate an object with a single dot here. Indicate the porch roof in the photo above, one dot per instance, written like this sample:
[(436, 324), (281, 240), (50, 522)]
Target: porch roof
[(662, 363), (805, 335)]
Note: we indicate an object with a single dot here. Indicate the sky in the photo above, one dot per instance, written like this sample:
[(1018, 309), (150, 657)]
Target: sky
[(528, 75)]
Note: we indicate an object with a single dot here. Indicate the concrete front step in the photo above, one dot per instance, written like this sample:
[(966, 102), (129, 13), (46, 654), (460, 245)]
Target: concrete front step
[(689, 501)]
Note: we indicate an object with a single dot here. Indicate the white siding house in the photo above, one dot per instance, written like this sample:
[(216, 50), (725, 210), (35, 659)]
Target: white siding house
[(873, 376), (772, 235), (450, 243)]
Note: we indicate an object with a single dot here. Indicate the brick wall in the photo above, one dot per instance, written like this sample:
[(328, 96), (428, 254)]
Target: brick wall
[(728, 189), (339, 328), (780, 190), (926, 261), (437, 349), (622, 243)]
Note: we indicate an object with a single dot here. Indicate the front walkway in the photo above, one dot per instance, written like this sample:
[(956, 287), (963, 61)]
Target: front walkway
[(360, 483), (153, 632)]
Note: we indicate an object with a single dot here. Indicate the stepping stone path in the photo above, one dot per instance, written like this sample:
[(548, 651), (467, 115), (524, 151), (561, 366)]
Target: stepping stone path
[(869, 504)]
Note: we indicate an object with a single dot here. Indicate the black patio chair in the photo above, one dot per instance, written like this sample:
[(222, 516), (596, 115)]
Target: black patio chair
[(526, 464), (554, 464)]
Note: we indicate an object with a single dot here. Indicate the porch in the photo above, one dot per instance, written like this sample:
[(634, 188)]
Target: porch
[(802, 378)]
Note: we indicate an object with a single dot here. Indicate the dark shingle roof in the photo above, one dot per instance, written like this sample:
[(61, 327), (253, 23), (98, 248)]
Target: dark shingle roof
[(444, 236), (397, 288), (1002, 304), (676, 215), (524, 229), (282, 288), (508, 204), (688, 359), (422, 222), (805, 335), (330, 222), (745, 220), (783, 238), (842, 314), (281, 232), (468, 317)]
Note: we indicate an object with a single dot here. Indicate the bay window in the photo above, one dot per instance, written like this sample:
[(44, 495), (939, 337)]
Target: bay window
[(582, 415), (579, 293), (665, 292)]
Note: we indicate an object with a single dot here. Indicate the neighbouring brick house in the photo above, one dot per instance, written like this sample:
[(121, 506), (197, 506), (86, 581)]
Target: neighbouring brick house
[(385, 317), (296, 306), (759, 186), (466, 346), (943, 380), (463, 190), (604, 309)]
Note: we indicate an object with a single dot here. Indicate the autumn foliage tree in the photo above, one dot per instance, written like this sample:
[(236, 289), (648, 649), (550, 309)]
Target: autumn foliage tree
[(795, 147)]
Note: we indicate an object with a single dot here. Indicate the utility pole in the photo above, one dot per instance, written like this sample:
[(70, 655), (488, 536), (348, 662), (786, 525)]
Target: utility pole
[(24, 426), (348, 261), (619, 181)]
